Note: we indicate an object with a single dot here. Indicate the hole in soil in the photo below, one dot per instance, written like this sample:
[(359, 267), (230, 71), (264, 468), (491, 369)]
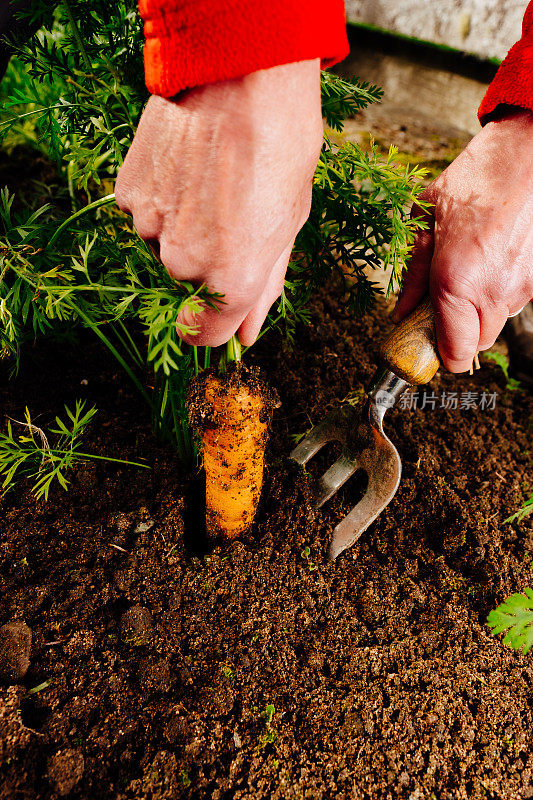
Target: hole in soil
[(195, 535), (33, 716)]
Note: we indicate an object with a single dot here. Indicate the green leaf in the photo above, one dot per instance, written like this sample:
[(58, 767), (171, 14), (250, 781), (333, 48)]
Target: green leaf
[(526, 509), (515, 616)]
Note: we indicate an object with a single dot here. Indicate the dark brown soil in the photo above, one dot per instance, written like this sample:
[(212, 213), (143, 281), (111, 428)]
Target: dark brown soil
[(155, 667)]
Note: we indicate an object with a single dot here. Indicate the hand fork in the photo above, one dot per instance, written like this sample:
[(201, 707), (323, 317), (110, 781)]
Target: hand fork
[(408, 356)]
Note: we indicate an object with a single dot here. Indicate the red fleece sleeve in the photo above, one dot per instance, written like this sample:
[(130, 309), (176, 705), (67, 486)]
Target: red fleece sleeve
[(195, 42), (513, 83)]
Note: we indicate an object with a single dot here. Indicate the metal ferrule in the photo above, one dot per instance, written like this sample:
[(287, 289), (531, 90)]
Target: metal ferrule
[(384, 380), (385, 387)]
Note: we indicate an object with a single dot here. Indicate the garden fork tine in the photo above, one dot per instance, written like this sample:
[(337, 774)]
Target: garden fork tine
[(409, 356), (335, 427)]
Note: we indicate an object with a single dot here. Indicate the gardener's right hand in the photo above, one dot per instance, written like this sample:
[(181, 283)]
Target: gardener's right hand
[(475, 257), (219, 180)]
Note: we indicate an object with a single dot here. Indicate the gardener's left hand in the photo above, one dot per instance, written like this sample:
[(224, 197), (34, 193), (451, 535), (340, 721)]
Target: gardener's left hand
[(220, 181), (476, 256)]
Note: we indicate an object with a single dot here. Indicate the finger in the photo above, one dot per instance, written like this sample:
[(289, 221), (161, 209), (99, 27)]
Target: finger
[(122, 195), (211, 327), (416, 281), (492, 321), (216, 322), (252, 324), (457, 327)]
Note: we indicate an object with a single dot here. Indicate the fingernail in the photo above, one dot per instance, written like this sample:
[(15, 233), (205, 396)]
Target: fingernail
[(187, 323)]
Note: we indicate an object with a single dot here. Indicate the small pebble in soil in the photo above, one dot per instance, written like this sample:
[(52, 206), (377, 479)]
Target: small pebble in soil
[(65, 770), (15, 647), (136, 626), (142, 527)]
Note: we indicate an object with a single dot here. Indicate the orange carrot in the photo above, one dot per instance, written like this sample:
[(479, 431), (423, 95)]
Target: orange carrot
[(233, 415)]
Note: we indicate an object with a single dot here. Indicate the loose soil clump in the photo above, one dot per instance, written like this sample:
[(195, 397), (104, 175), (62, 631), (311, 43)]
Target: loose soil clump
[(262, 670)]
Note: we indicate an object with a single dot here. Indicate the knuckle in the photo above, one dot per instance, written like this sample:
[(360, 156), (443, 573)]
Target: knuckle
[(458, 352), (241, 299), (207, 334), (458, 339), (453, 288), (122, 194), (167, 254), (486, 345), (526, 289), (240, 288), (144, 227)]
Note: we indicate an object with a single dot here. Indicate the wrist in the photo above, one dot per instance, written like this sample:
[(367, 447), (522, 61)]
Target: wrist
[(278, 103), (515, 115), (509, 139), (282, 85)]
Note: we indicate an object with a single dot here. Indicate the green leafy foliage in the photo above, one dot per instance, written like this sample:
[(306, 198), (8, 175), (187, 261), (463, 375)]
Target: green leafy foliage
[(523, 512), (306, 555), (359, 219), (503, 363), (342, 99), (30, 454), (74, 94), (515, 616), (270, 736)]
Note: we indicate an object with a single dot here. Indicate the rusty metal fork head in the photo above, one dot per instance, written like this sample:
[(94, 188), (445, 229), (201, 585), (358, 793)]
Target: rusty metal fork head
[(364, 446)]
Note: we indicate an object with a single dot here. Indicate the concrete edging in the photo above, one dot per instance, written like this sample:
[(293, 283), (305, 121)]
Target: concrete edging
[(487, 28)]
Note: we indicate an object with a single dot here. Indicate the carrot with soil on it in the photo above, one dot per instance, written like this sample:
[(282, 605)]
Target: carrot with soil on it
[(232, 413)]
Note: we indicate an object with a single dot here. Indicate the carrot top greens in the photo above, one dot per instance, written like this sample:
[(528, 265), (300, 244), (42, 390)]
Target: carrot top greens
[(69, 259)]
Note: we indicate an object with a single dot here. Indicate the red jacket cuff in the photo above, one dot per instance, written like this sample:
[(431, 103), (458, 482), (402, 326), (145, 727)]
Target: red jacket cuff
[(513, 83), (195, 42)]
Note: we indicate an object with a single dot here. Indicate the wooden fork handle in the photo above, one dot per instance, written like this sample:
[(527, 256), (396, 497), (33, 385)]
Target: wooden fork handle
[(410, 350)]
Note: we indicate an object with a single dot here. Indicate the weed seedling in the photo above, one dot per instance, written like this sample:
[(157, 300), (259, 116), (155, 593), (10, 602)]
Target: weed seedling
[(526, 509), (503, 363), (271, 735), (227, 672), (184, 778), (36, 689), (306, 555)]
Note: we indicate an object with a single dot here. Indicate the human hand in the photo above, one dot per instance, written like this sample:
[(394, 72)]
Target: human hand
[(219, 181), (476, 256)]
